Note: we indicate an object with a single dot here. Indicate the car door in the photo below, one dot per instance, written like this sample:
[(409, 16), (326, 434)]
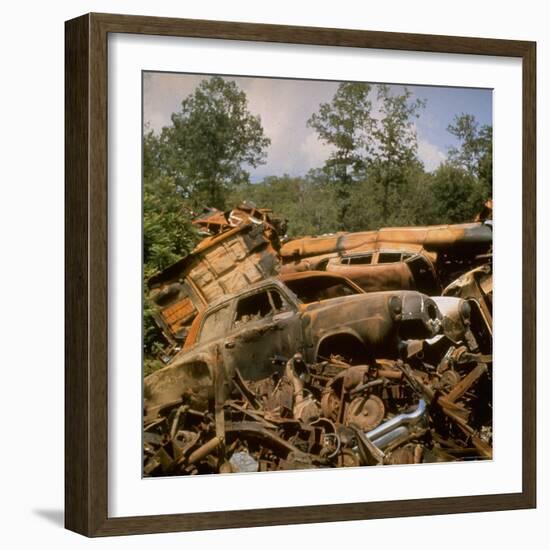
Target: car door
[(265, 331)]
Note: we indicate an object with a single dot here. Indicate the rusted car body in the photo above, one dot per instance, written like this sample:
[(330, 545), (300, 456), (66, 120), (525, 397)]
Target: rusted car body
[(386, 270), (221, 264), (315, 314), (445, 252), (476, 287), (244, 248)]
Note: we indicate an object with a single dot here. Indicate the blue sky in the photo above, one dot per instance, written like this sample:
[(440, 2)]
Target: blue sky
[(284, 106)]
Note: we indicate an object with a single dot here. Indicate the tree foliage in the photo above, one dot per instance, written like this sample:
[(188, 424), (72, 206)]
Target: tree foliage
[(210, 141), (167, 230), (346, 124), (395, 132), (475, 151), (456, 195), (395, 156), (373, 136)]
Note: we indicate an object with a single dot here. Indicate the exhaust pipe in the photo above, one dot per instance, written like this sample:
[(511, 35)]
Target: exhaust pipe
[(384, 441), (396, 428)]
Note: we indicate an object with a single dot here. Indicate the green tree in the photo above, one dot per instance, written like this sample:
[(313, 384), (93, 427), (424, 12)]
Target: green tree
[(346, 124), (167, 230), (152, 163), (408, 199), (456, 194), (373, 136), (211, 138), (475, 151), (396, 146)]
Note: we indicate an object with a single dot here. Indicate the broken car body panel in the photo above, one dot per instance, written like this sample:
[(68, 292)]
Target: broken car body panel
[(219, 265), (444, 250), (249, 330)]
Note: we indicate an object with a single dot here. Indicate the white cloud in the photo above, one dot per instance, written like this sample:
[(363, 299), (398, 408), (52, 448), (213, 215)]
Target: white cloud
[(163, 94), (284, 106), (314, 152), (430, 155)]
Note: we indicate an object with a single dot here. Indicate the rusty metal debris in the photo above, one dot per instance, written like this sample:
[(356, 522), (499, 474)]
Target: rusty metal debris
[(214, 221), (421, 258), (309, 369), (330, 414), (234, 256)]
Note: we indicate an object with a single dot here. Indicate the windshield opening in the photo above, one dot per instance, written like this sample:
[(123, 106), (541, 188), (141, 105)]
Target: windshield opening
[(315, 289)]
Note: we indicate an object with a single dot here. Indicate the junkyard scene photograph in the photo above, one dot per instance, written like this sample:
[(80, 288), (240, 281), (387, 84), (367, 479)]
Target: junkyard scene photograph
[(317, 274)]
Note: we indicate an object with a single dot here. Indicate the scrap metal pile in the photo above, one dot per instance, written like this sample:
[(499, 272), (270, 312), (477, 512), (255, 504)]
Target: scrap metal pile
[(275, 365)]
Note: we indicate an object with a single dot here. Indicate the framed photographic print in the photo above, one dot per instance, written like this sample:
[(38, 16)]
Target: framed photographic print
[(300, 275)]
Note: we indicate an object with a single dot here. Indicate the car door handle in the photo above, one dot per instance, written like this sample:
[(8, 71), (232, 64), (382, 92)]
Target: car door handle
[(229, 344)]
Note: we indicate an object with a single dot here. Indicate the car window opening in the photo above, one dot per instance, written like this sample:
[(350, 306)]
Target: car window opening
[(323, 288), (254, 307), (360, 260), (389, 257)]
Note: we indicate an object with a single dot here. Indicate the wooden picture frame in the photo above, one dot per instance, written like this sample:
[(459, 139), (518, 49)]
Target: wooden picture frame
[(86, 281)]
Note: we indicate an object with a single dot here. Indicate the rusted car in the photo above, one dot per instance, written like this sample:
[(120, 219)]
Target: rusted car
[(315, 314), (448, 250), (476, 288), (243, 247), (386, 269), (224, 263)]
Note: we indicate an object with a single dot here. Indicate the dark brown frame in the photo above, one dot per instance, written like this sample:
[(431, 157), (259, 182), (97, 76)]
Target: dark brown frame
[(86, 274)]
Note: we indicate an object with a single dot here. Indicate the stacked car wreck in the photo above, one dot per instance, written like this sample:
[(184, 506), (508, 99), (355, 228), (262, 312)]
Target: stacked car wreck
[(349, 349)]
